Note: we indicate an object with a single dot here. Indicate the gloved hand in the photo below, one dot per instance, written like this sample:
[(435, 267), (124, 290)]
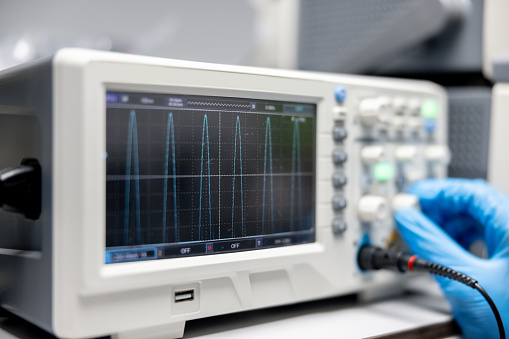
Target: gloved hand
[(458, 206)]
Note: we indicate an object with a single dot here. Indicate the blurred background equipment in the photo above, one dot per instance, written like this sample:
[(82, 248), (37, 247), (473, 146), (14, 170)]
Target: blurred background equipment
[(402, 36), (459, 44), (219, 31), (439, 40)]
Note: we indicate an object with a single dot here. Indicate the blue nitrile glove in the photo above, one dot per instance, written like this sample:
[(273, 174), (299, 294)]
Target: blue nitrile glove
[(448, 202)]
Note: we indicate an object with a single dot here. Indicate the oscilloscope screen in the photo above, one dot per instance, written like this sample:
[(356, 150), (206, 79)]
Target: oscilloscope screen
[(198, 175)]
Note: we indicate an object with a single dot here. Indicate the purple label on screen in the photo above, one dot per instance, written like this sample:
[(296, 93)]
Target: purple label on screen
[(112, 97)]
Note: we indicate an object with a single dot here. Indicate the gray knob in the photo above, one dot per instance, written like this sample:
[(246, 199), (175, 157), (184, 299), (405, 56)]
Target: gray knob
[(338, 226), (339, 133), (338, 203), (339, 180), (339, 157)]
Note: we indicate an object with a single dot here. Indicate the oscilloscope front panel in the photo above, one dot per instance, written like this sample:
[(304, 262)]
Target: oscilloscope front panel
[(182, 190)]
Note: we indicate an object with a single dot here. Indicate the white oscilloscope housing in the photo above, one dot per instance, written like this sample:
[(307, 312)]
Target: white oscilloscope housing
[(53, 272)]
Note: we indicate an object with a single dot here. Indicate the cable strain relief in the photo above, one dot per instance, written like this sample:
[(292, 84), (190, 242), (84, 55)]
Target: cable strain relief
[(2, 193), (402, 261), (444, 271), (20, 189)]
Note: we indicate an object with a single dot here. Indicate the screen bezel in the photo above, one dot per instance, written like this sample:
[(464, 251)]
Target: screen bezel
[(87, 138)]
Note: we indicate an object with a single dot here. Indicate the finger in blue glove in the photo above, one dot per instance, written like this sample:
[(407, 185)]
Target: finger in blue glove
[(443, 200)]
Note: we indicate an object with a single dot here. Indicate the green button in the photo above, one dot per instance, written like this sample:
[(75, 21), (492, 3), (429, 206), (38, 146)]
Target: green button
[(383, 171), (429, 109)]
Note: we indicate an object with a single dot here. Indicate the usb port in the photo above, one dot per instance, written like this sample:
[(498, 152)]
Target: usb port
[(186, 295)]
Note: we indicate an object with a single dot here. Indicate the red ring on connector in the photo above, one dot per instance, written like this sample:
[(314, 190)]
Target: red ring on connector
[(411, 261)]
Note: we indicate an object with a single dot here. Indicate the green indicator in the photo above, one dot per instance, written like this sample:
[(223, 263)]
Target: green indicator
[(429, 109), (383, 171)]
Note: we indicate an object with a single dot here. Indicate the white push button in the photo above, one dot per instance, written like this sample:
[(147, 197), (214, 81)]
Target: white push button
[(414, 123), (375, 111), (372, 154), (405, 153), (414, 174), (400, 105), (414, 107), (437, 153), (399, 122), (405, 200), (372, 208)]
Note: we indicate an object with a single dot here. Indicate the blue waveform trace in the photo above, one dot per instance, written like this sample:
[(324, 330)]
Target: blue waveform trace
[(296, 162), (132, 209), (170, 131), (205, 128), (132, 147), (237, 133), (268, 134)]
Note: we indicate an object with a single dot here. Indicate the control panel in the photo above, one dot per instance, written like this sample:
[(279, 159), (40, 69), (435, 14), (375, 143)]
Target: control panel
[(383, 140)]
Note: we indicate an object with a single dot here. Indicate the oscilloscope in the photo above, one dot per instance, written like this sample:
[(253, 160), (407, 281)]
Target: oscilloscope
[(175, 190)]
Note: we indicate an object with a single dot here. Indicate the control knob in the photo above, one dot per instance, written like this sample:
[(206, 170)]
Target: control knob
[(339, 133), (372, 208), (372, 154), (437, 153), (405, 153), (338, 203), (405, 200), (374, 111), (339, 157)]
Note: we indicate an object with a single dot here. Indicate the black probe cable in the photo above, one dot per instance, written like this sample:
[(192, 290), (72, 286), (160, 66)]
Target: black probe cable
[(20, 189), (374, 258)]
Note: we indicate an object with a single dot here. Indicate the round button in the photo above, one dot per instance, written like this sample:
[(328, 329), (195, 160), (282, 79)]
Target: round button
[(339, 180), (339, 157), (340, 93), (338, 226), (338, 203), (339, 133)]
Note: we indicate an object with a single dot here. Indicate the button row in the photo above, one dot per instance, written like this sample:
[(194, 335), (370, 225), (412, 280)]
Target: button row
[(399, 112), (339, 180)]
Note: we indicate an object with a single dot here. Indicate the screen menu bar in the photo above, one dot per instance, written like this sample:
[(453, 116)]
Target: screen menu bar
[(118, 255), (193, 102)]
